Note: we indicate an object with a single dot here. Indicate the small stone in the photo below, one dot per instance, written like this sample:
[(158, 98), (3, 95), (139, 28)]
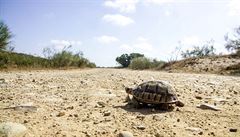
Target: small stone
[(60, 114), (178, 120), (9, 129), (101, 104), (235, 102), (153, 110), (233, 130), (107, 113), (141, 117), (200, 133), (159, 135), (125, 134), (25, 121), (207, 106), (75, 115), (33, 80), (141, 127), (198, 97)]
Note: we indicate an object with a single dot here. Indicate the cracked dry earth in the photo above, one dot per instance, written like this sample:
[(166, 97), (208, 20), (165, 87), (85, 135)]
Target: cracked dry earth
[(91, 102)]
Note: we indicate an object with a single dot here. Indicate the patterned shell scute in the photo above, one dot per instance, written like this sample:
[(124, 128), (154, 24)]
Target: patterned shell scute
[(155, 92)]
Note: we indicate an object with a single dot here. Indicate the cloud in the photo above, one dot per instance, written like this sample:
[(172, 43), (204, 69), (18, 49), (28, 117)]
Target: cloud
[(234, 8), (126, 47), (107, 39), (167, 13), (127, 6), (60, 44), (118, 19), (158, 2), (141, 44)]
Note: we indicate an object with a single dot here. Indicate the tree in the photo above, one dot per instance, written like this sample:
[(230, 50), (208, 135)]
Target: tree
[(125, 59), (233, 44), (206, 50), (5, 36)]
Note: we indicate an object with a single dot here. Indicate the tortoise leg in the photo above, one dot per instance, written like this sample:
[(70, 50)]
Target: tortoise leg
[(135, 103), (179, 104)]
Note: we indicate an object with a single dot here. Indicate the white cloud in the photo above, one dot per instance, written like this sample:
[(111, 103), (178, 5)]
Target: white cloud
[(126, 47), (159, 2), (234, 8), (107, 39), (118, 19), (141, 44), (190, 41), (127, 6), (167, 13), (60, 44)]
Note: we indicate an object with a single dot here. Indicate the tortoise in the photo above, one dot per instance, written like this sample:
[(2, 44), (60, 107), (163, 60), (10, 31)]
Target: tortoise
[(154, 93)]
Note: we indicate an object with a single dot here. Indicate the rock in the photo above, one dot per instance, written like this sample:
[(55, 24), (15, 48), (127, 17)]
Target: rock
[(125, 134), (101, 104), (9, 129), (159, 135), (233, 130), (158, 118), (193, 129), (2, 80), (198, 97), (141, 117), (207, 106), (24, 107), (60, 114), (107, 113), (141, 127)]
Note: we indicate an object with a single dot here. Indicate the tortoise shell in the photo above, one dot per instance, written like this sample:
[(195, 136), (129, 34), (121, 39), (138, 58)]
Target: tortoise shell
[(154, 92)]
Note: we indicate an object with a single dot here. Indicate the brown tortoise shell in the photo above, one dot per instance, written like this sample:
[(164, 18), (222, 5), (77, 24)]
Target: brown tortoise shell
[(155, 92)]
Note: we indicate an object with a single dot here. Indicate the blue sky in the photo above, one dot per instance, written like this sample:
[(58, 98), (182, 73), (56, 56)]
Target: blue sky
[(105, 29)]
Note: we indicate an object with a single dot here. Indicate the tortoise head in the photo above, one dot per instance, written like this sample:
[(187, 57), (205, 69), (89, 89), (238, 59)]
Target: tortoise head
[(129, 90)]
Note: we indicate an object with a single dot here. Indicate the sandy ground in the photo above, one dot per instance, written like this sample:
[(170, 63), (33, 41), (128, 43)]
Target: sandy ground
[(91, 103)]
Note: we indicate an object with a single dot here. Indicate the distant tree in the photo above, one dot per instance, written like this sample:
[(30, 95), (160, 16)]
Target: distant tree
[(125, 59), (233, 44), (206, 50), (5, 36)]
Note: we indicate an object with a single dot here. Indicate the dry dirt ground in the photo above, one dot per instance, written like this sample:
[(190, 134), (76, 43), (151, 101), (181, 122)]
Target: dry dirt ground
[(91, 103)]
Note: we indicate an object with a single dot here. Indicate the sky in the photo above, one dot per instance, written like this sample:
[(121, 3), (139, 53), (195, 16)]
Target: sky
[(105, 29)]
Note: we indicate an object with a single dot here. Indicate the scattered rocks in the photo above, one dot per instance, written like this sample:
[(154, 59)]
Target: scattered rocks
[(208, 106), (125, 134), (141, 117), (9, 129), (2, 80), (101, 104), (233, 129)]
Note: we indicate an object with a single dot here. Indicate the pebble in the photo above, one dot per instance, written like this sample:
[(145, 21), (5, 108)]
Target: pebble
[(233, 130), (198, 97), (107, 113), (208, 106), (125, 134), (9, 129), (60, 114), (141, 117), (141, 127)]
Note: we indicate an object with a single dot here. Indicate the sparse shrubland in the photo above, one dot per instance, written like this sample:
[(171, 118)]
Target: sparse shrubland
[(199, 51), (66, 58)]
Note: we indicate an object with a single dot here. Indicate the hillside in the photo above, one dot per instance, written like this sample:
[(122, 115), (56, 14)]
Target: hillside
[(21, 60), (224, 64)]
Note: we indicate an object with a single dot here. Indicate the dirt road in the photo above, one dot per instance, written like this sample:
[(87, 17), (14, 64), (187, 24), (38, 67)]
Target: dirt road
[(91, 103)]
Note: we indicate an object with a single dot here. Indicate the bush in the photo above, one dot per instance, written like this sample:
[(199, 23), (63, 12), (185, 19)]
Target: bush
[(141, 63), (233, 44), (5, 36), (206, 50)]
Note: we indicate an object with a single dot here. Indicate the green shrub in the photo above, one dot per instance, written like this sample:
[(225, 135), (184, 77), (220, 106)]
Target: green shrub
[(140, 63)]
